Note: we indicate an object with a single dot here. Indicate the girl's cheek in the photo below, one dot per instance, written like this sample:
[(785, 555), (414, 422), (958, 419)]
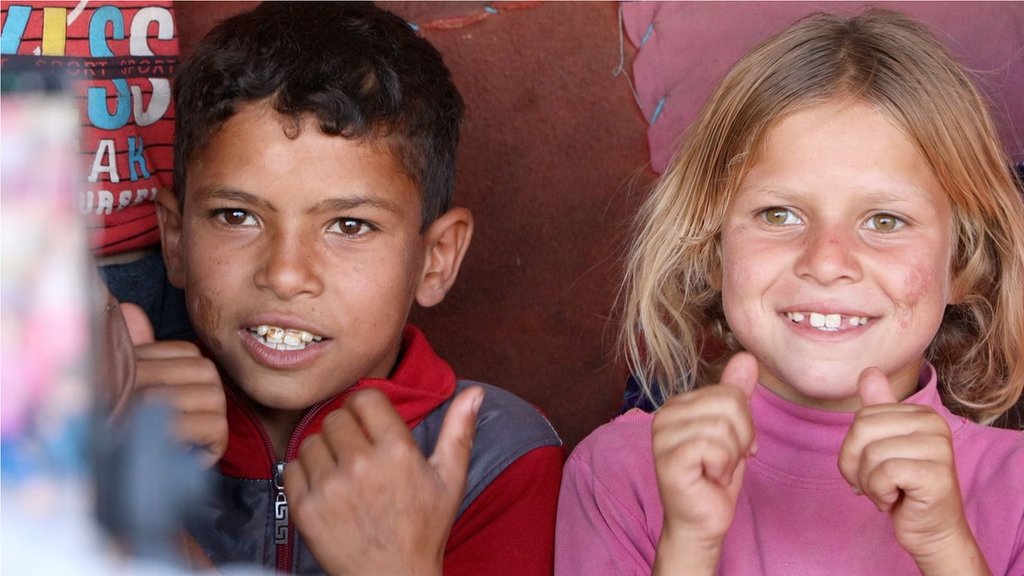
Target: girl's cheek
[(920, 283)]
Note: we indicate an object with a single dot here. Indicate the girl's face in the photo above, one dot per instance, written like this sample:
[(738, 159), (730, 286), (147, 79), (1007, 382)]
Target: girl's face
[(836, 255)]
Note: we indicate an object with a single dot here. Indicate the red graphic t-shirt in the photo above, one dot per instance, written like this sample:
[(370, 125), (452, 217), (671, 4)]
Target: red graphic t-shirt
[(119, 57)]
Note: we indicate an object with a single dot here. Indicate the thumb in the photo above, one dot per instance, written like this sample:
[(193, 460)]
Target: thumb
[(139, 326), (451, 455), (741, 372), (873, 388)]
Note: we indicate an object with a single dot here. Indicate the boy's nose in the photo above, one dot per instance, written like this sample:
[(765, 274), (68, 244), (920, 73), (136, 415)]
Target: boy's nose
[(830, 256), (288, 268)]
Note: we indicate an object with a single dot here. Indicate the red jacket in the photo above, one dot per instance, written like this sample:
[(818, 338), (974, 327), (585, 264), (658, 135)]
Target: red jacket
[(506, 523)]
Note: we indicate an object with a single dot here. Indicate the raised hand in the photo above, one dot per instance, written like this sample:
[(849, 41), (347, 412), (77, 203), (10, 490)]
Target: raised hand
[(364, 497), (176, 373), (701, 440), (900, 456)]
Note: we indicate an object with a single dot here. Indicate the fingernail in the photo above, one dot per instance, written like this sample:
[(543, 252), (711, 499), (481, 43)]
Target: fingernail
[(857, 490), (477, 402), (753, 447)]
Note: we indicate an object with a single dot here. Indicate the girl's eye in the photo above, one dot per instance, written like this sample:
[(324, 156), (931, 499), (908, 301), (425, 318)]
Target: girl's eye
[(777, 216), (885, 223), (235, 217), (350, 227)]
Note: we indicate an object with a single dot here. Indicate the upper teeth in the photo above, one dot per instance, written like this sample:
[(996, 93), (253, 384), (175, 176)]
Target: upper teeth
[(284, 338), (826, 321)]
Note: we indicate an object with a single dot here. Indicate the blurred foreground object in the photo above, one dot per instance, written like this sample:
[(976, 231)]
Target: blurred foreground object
[(62, 464)]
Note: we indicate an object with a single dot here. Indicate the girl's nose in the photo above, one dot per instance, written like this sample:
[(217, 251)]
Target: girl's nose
[(830, 256), (288, 268)]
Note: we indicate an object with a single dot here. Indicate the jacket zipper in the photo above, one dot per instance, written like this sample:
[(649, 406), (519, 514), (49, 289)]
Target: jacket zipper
[(283, 534), (282, 528)]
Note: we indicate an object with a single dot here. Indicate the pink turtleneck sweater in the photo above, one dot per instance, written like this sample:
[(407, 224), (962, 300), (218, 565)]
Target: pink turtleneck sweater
[(795, 514)]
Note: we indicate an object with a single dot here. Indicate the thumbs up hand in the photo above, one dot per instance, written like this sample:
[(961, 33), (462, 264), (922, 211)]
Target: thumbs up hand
[(176, 373), (701, 440), (900, 456), (364, 497)]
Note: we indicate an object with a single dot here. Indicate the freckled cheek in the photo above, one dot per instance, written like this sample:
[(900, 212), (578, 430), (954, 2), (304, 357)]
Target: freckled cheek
[(206, 318), (920, 284), (738, 279)]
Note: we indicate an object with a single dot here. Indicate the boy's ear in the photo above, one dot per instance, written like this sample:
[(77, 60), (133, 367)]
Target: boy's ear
[(447, 240), (168, 213)]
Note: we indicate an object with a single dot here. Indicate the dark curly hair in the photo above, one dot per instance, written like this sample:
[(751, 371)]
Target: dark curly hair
[(361, 71)]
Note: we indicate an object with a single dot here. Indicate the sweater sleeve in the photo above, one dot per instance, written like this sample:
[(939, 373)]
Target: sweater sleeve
[(509, 529), (606, 497)]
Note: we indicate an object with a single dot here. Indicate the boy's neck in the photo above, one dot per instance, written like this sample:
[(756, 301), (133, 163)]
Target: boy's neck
[(280, 425)]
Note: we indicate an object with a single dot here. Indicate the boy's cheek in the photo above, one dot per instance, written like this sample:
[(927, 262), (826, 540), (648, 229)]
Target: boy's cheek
[(206, 317)]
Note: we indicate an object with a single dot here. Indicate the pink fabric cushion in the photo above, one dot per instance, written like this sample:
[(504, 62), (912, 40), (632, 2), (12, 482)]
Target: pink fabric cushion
[(685, 48)]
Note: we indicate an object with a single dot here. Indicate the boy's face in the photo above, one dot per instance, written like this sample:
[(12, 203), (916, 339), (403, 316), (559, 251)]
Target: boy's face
[(300, 258), (836, 256)]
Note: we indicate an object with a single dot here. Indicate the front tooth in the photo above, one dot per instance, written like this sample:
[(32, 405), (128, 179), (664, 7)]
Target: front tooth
[(306, 336), (817, 320), (292, 338), (275, 335), (261, 330), (854, 321), (833, 320)]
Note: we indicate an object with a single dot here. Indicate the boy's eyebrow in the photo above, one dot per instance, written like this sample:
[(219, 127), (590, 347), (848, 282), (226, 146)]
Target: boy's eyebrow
[(348, 203), (328, 205), (232, 195)]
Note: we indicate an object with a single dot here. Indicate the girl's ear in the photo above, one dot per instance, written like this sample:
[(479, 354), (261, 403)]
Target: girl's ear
[(964, 280), (959, 288), (168, 213), (714, 272), (447, 240)]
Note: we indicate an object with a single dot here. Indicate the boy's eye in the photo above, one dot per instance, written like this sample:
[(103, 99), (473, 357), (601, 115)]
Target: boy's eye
[(885, 223), (350, 227), (778, 216), (235, 217)]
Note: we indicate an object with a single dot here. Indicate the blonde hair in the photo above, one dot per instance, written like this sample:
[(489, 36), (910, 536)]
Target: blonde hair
[(672, 304)]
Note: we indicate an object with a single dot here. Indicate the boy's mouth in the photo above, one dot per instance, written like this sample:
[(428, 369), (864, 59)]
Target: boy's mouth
[(827, 322), (283, 338)]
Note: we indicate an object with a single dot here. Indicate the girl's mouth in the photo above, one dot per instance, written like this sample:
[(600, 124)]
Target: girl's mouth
[(827, 322)]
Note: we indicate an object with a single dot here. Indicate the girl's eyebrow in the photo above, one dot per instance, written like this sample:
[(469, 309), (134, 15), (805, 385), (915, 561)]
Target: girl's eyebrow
[(898, 194), (889, 194)]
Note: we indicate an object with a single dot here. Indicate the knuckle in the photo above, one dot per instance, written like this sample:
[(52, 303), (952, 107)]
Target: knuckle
[(334, 421), (310, 445), (363, 399)]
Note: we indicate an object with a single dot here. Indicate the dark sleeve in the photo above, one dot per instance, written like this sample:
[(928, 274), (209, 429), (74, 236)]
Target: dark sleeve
[(509, 529)]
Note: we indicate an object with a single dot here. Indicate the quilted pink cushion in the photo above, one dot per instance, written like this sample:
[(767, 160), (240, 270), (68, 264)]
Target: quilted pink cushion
[(685, 48)]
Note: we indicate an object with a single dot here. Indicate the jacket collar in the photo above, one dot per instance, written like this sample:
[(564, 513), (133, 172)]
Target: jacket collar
[(420, 382)]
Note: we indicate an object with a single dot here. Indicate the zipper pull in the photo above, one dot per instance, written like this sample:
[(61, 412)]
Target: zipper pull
[(280, 506)]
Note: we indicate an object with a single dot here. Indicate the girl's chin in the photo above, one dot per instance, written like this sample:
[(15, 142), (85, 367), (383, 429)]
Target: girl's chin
[(837, 396)]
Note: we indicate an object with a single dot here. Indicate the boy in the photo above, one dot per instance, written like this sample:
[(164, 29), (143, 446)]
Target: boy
[(314, 163)]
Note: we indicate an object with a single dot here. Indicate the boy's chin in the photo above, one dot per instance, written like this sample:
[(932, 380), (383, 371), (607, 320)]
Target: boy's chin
[(283, 394)]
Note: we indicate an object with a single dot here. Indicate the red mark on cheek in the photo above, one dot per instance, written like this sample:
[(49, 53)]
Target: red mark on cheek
[(917, 285)]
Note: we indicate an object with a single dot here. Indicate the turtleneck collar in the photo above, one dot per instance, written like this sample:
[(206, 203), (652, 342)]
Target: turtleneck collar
[(803, 443)]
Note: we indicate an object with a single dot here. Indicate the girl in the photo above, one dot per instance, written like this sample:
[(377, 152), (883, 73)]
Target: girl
[(842, 218)]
